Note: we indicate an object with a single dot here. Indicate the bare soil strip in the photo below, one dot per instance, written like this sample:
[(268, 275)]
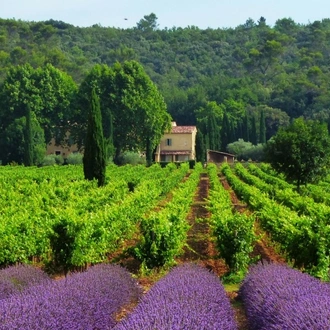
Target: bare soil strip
[(200, 247)]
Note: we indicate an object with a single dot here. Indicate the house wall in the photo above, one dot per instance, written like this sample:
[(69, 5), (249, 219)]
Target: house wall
[(180, 141), (64, 151)]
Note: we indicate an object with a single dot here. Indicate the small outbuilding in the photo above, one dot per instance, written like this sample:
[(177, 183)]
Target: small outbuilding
[(219, 157)]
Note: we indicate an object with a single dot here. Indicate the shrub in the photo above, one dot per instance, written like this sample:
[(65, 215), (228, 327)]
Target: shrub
[(74, 159), (53, 159), (14, 279), (87, 300), (188, 297), (278, 297), (246, 150), (132, 158)]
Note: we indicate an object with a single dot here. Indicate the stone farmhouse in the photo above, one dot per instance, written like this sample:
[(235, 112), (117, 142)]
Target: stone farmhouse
[(178, 145)]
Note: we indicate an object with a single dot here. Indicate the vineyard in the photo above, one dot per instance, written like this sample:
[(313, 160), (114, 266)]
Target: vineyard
[(137, 253)]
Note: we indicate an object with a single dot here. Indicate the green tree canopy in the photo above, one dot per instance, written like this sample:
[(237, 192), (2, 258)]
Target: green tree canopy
[(47, 93), (15, 140), (209, 120), (300, 151), (131, 104), (148, 23)]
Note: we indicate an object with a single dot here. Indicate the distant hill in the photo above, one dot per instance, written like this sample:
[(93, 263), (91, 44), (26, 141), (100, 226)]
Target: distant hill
[(283, 69)]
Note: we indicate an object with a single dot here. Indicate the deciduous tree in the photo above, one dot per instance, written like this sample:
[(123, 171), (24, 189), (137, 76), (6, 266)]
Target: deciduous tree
[(133, 110), (300, 151), (44, 92)]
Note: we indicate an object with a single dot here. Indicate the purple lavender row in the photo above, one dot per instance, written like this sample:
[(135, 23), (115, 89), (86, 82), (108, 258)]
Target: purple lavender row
[(189, 297), (17, 278), (277, 297), (82, 301)]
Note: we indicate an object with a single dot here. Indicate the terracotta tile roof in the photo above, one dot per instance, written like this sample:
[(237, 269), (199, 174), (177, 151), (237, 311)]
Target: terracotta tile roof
[(183, 129), (175, 152)]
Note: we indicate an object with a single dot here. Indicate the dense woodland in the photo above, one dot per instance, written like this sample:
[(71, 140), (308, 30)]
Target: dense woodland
[(235, 83)]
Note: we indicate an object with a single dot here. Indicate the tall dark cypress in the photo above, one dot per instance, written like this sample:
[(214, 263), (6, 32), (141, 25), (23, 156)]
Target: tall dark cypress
[(213, 132), (200, 147), (94, 155), (225, 132), (232, 133), (262, 134), (253, 135), (28, 152), (245, 128)]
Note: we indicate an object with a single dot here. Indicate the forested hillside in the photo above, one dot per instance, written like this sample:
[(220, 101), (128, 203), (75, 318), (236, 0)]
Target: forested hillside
[(241, 78)]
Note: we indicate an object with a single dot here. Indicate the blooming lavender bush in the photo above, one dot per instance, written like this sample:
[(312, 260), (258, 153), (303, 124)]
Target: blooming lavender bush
[(189, 297), (83, 301), (278, 297), (15, 279)]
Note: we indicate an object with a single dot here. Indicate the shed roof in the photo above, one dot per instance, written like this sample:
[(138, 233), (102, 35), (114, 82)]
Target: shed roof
[(221, 153)]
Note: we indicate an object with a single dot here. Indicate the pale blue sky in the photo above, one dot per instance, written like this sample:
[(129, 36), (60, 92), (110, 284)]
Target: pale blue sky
[(170, 13)]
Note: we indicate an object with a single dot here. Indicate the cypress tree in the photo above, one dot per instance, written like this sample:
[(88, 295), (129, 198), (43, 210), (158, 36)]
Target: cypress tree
[(225, 132), (232, 133), (213, 132), (262, 134), (253, 135), (28, 154), (245, 128), (200, 147), (239, 130), (94, 155)]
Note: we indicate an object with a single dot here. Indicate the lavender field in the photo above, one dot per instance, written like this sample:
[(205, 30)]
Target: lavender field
[(188, 297)]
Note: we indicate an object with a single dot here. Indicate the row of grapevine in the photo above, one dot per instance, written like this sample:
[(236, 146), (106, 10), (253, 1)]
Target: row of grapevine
[(303, 205), (164, 231), (234, 231), (39, 198), (320, 192), (102, 232), (269, 178), (304, 240), (77, 223)]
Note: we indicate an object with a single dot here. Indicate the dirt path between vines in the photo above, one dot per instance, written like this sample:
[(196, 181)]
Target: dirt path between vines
[(201, 248)]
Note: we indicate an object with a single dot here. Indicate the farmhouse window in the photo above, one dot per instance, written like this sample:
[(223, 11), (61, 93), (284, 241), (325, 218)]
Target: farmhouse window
[(168, 142)]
